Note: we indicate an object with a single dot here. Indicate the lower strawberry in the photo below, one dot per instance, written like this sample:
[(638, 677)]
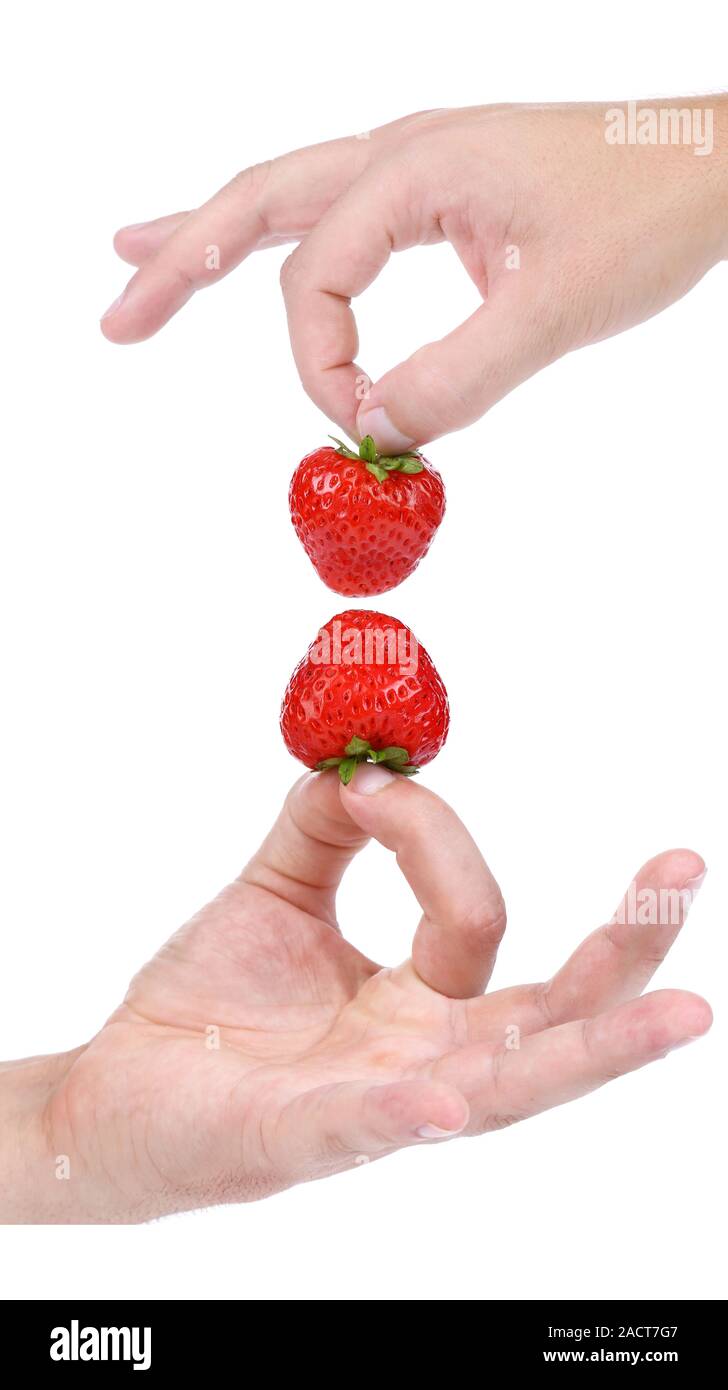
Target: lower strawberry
[(365, 691)]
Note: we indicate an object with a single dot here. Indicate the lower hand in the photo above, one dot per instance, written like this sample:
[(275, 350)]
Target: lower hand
[(259, 1049)]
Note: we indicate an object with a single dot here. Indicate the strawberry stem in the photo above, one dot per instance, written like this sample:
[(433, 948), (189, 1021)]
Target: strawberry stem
[(379, 464), (358, 750)]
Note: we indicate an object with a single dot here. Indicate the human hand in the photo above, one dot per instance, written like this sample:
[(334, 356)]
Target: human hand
[(259, 1049), (568, 238)]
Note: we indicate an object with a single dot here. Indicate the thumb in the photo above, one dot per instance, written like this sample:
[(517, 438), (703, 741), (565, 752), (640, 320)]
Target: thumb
[(334, 1125), (448, 384)]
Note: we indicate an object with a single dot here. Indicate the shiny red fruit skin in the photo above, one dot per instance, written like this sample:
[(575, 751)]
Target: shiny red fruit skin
[(362, 536), (325, 705)]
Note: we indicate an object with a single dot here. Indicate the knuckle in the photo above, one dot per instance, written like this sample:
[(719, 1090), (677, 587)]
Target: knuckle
[(252, 187), (184, 278), (485, 925), (542, 1000), (253, 180), (585, 1034), (499, 1112)]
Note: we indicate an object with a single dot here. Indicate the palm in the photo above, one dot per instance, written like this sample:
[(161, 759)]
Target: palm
[(258, 1048), (250, 1009)]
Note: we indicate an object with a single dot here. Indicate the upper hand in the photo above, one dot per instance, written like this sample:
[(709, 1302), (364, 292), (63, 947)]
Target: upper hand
[(568, 239)]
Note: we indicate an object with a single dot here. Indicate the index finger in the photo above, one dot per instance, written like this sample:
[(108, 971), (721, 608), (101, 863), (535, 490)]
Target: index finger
[(341, 257)]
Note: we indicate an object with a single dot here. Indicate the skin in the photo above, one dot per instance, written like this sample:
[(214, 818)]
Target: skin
[(326, 1059), (607, 235)]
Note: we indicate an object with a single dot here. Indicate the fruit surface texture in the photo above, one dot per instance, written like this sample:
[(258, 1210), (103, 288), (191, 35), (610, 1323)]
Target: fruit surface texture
[(365, 678), (365, 521)]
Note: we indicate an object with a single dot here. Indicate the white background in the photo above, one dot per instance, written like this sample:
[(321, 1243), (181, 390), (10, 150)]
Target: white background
[(574, 603)]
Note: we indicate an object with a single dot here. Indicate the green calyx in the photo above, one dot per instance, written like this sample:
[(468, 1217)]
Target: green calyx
[(379, 464), (359, 751)]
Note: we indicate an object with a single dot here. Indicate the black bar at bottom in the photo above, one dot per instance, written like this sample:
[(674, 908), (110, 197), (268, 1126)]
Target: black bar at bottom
[(89, 1339)]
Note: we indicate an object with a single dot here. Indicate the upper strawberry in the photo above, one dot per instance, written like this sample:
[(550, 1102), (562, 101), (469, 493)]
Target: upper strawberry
[(365, 520)]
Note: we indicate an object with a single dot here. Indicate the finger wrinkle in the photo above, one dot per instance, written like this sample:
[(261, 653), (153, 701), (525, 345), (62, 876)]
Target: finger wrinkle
[(541, 1000)]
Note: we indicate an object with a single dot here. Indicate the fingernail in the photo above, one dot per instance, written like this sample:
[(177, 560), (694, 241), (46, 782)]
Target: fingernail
[(694, 885), (113, 307), (134, 226), (370, 777), (386, 436), (434, 1132)]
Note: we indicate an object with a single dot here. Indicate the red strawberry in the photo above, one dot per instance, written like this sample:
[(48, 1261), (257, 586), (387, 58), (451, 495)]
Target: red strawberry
[(364, 520), (365, 690)]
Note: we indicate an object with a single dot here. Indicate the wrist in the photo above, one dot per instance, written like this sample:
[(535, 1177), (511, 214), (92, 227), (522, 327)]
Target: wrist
[(35, 1181)]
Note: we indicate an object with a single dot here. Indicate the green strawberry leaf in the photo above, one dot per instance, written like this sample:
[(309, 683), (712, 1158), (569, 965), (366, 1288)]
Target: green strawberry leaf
[(379, 465), (410, 465), (391, 755), (368, 450), (342, 448), (357, 745), (359, 750)]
